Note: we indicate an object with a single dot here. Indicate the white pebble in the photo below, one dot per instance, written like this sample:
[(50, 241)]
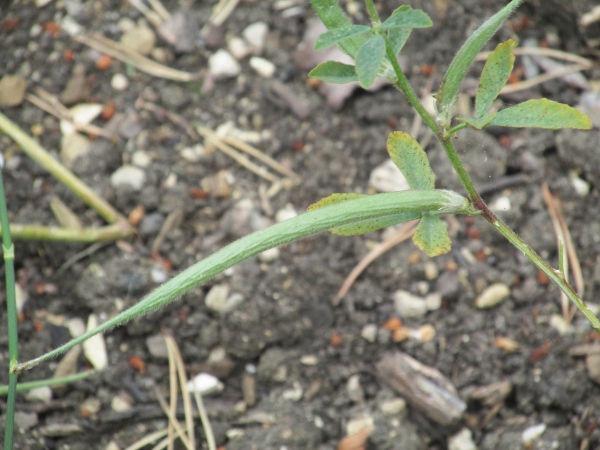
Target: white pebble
[(369, 332), (255, 34), (393, 407), (285, 213), (76, 327), (463, 440), (238, 48), (119, 82), (128, 175), (40, 394), (501, 204), (205, 384), (433, 301), (492, 296), (94, 348), (559, 324), (409, 305), (387, 178), (141, 159), (223, 65), (294, 394), (262, 66), (532, 433), (269, 255), (216, 298)]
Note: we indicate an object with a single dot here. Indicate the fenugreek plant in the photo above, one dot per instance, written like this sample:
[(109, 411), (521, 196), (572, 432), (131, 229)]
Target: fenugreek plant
[(374, 49)]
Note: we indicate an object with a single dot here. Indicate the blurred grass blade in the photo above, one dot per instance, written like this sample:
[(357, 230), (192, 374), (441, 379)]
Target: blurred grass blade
[(496, 71), (334, 72), (333, 17), (455, 74), (407, 18), (432, 237), (337, 35), (542, 113), (369, 59), (412, 161)]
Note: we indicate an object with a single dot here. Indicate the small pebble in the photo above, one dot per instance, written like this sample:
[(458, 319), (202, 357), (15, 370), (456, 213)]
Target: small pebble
[(582, 187), (309, 360), (205, 384), (216, 298), (24, 420), (592, 364), (76, 327), (12, 90), (94, 348), (157, 346), (90, 407), (431, 270), (222, 65), (354, 389), (40, 394), (269, 255), (21, 297), (285, 213), (119, 82), (263, 67), (140, 39), (393, 407), (158, 275), (532, 433), (238, 48), (72, 146), (492, 296), (369, 333), (409, 305), (193, 154), (433, 301), (501, 204), (559, 324), (294, 394), (141, 158), (387, 178), (120, 403), (255, 35), (463, 440), (128, 175)]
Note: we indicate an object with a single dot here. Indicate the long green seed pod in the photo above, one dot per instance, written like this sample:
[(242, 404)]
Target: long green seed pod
[(369, 207)]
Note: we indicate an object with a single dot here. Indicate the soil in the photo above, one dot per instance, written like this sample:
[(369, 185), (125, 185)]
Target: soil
[(296, 368)]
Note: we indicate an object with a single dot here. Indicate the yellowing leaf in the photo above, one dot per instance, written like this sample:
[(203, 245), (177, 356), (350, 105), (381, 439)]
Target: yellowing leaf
[(432, 237)]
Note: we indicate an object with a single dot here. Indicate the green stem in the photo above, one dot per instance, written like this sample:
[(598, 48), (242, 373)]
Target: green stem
[(554, 275), (119, 230), (452, 131), (403, 85), (49, 382), (11, 313), (372, 12), (60, 172), (321, 219)]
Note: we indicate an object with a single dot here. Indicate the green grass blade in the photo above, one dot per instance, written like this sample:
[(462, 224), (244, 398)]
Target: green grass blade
[(333, 17), (446, 96), (542, 113), (333, 37), (495, 74), (432, 237), (334, 72), (407, 18), (336, 215), (412, 161), (369, 59)]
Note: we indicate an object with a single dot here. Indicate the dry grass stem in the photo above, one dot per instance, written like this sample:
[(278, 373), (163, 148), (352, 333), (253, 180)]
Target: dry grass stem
[(218, 142), (140, 62), (403, 233), (221, 12)]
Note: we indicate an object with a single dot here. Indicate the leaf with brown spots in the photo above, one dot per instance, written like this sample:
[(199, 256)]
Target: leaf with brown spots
[(432, 237), (412, 161), (542, 113)]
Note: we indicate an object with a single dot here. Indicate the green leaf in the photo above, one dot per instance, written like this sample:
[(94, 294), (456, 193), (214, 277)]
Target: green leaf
[(334, 72), (495, 74), (407, 18), (432, 237), (398, 36), (479, 122), (542, 113), (412, 161), (369, 59), (339, 34), (367, 226), (333, 17), (363, 226), (446, 96)]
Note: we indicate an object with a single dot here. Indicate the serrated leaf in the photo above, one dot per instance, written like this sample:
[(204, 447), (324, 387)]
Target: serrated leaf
[(334, 72), (332, 37), (369, 59), (367, 226), (361, 226), (432, 236), (494, 76), (412, 161), (478, 122), (446, 96), (333, 17), (542, 113), (407, 18)]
